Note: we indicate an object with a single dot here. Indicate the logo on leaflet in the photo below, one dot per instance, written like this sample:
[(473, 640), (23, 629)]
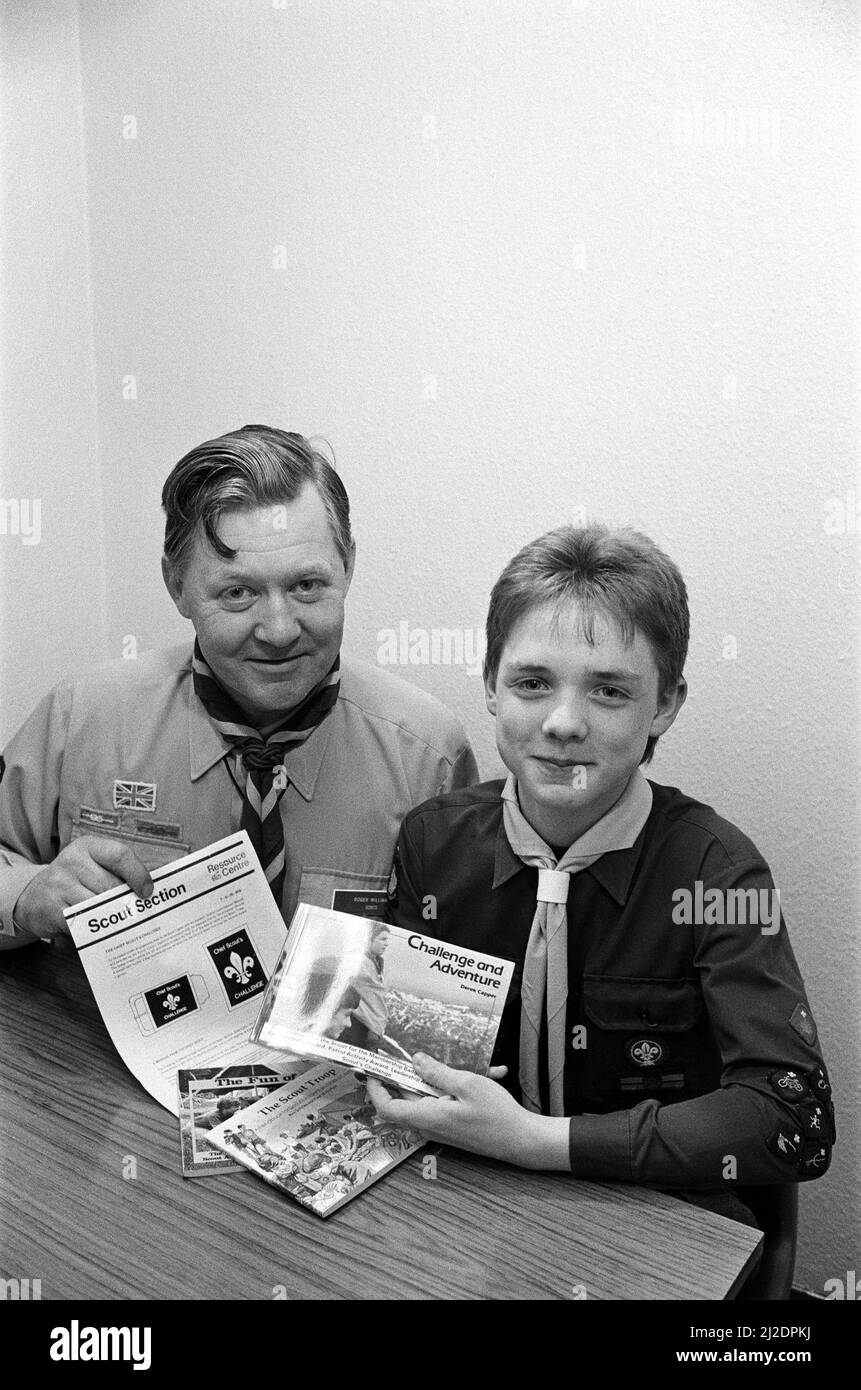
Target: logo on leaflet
[(238, 966), (171, 1001)]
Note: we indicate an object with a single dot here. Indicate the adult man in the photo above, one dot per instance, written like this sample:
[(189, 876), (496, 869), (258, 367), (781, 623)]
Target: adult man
[(657, 1028), (262, 726)]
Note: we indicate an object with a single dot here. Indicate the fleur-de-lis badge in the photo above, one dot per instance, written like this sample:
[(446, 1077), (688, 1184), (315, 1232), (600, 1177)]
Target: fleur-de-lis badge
[(239, 969), (646, 1053), (171, 1002)]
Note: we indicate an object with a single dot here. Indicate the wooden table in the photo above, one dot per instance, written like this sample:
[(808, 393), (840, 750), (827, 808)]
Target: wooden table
[(73, 1121)]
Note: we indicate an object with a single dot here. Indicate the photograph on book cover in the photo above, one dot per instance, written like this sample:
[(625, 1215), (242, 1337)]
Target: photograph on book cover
[(210, 1095), (372, 995)]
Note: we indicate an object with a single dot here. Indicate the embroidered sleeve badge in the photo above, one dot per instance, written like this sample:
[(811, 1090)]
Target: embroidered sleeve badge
[(802, 1022)]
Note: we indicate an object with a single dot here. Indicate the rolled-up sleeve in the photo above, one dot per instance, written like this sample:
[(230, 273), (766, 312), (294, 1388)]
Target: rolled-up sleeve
[(29, 800)]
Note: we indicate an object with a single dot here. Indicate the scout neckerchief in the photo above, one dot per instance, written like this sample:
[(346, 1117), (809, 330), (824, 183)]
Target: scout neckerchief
[(545, 965), (261, 757)]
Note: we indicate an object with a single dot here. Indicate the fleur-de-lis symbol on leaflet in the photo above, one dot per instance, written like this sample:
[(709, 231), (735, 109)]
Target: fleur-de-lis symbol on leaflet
[(239, 969), (171, 1002)]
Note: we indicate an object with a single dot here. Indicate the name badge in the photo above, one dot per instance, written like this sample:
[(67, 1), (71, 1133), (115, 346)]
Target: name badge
[(361, 902)]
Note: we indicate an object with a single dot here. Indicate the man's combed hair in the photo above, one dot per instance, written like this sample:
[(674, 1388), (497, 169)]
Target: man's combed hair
[(256, 466), (621, 575)]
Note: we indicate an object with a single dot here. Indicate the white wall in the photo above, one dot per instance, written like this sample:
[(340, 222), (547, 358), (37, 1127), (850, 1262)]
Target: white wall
[(52, 615), (511, 291)]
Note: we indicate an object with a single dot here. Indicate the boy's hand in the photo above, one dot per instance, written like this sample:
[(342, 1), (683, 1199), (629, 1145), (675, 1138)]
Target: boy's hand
[(475, 1114), (88, 865)]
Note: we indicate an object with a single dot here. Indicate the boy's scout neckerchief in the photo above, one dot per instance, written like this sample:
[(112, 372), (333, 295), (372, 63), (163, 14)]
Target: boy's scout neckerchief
[(545, 965), (263, 756)]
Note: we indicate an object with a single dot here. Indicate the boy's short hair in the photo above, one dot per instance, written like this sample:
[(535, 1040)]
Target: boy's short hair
[(620, 574)]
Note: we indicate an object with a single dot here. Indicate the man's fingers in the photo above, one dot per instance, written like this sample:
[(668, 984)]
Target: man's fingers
[(497, 1073), (84, 879), (122, 861), (88, 866)]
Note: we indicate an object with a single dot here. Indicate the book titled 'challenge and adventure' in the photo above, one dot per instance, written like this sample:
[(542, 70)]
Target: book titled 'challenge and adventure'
[(357, 991)]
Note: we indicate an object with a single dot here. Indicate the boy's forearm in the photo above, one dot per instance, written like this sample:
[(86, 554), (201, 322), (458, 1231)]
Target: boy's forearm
[(546, 1143)]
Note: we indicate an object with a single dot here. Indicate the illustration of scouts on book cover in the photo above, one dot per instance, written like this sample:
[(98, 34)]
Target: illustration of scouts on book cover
[(335, 1150)]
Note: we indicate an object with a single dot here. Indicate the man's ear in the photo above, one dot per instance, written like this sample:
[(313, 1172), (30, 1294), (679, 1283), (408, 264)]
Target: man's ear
[(174, 586), (490, 692), (350, 566), (669, 704)]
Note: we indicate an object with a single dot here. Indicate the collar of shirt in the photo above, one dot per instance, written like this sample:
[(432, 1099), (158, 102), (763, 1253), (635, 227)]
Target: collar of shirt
[(614, 869), (206, 747)]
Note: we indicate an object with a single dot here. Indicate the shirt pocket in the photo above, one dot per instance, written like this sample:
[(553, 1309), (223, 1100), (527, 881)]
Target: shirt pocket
[(364, 895), (644, 1038)]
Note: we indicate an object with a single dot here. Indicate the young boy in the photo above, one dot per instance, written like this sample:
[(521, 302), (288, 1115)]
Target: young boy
[(657, 1028)]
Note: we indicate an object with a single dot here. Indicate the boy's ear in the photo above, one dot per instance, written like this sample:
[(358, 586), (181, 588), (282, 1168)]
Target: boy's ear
[(174, 586), (490, 693), (669, 704)]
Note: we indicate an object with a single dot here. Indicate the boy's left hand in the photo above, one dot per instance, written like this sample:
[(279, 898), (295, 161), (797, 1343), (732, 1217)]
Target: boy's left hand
[(475, 1114)]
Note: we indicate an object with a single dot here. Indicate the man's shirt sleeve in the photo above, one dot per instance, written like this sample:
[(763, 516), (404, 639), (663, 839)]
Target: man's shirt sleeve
[(462, 772), (29, 798), (771, 1119)]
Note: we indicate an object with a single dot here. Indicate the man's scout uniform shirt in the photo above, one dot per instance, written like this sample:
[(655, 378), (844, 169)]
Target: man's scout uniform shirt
[(130, 753), (690, 1044)]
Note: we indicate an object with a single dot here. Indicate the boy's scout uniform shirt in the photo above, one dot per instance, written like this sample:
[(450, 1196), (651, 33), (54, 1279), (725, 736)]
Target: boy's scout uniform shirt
[(691, 1054), (130, 753)]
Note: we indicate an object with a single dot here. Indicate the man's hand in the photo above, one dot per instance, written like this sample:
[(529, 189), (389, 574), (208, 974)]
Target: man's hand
[(89, 865), (476, 1114)]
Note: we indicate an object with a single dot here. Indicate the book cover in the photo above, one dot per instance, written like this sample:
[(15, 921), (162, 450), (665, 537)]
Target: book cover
[(210, 1095), (369, 995), (318, 1139)]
